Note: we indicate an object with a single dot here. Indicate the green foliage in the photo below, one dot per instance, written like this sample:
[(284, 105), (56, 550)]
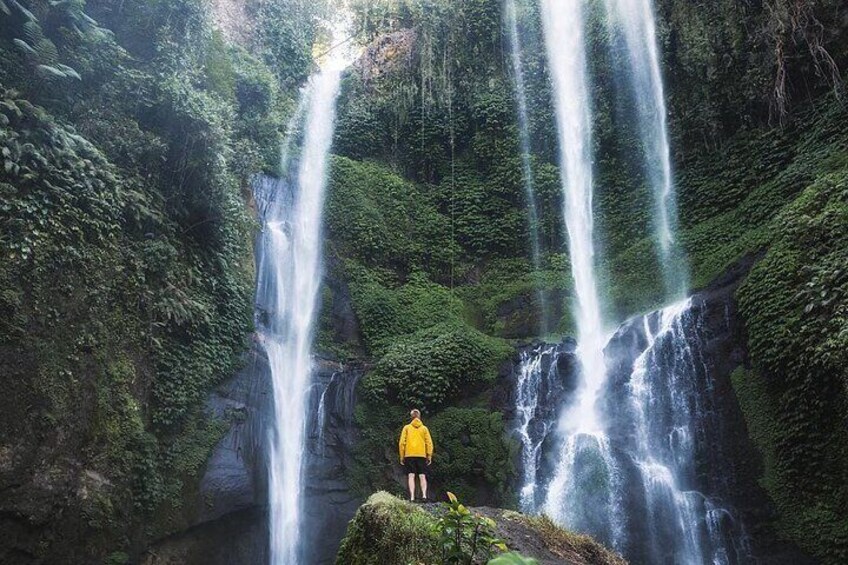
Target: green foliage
[(287, 29), (433, 366), (795, 304), (126, 268), (465, 536), (379, 219), (389, 531), (473, 455), (512, 558)]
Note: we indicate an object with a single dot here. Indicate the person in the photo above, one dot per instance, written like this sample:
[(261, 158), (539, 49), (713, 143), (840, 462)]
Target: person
[(416, 453)]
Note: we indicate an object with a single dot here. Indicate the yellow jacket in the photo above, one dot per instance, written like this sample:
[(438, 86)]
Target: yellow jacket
[(415, 441)]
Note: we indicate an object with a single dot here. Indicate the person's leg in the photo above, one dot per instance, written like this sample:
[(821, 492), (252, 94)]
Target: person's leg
[(411, 481), (423, 479)]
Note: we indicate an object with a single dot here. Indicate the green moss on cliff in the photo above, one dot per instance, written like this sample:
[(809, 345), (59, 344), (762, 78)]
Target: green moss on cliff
[(795, 304), (389, 531), (126, 268)]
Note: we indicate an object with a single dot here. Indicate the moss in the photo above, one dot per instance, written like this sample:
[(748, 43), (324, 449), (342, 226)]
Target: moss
[(475, 458), (386, 530), (568, 545), (795, 305), (389, 531)]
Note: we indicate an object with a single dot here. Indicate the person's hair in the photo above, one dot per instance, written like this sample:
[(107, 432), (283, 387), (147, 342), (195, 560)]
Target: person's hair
[(415, 413)]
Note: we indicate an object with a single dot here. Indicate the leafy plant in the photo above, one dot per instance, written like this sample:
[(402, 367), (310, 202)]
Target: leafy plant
[(464, 535), (512, 558)]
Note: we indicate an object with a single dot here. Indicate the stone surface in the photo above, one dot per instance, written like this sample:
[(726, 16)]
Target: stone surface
[(229, 522)]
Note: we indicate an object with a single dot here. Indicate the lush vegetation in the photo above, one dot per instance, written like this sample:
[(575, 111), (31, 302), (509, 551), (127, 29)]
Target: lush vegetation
[(128, 134), (428, 214), (387, 530), (795, 302)]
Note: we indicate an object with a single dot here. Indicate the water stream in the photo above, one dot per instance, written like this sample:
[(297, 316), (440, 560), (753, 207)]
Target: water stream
[(526, 165), (288, 278), (634, 20), (584, 458), (663, 430)]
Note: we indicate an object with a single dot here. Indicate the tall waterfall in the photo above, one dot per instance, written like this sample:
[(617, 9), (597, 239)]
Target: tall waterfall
[(584, 458), (288, 278), (635, 20), (524, 141)]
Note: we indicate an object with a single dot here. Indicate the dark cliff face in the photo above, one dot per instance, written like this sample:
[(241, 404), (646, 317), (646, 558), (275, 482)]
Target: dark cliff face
[(332, 438), (228, 520)]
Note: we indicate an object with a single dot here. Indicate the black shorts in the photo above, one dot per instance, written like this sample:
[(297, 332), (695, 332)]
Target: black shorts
[(415, 465)]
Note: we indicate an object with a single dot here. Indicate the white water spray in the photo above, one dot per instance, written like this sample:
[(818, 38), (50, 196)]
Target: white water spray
[(288, 280), (524, 141), (585, 456), (287, 287), (563, 26), (636, 21)]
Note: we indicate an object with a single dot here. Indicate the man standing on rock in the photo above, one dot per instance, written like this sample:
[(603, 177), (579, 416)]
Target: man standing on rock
[(416, 453)]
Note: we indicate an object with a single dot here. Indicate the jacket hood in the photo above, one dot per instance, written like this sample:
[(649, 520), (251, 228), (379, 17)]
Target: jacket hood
[(417, 423)]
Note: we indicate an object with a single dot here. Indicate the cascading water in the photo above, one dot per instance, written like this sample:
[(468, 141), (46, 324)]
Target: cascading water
[(524, 141), (635, 19), (573, 496), (543, 379), (664, 429), (667, 408), (288, 278)]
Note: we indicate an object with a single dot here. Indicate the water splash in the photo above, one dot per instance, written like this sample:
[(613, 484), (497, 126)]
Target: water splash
[(563, 27), (288, 278), (584, 456), (636, 22), (669, 393), (524, 142), (542, 382)]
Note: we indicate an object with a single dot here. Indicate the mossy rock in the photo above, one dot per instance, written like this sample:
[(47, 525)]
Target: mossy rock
[(389, 531)]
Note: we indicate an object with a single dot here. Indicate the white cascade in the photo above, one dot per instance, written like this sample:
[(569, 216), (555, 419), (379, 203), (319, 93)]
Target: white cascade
[(524, 143), (288, 279), (636, 22)]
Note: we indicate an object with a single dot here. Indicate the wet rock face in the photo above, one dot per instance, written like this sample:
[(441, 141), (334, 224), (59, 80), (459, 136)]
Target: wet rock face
[(228, 522), (540, 383), (332, 438), (386, 54), (230, 516)]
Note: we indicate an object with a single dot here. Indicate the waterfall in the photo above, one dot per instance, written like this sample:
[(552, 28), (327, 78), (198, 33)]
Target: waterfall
[(584, 460), (542, 381), (635, 18), (642, 485), (524, 141), (288, 278), (667, 404)]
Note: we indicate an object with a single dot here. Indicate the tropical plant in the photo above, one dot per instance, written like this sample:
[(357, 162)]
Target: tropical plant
[(465, 536), (512, 558)]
